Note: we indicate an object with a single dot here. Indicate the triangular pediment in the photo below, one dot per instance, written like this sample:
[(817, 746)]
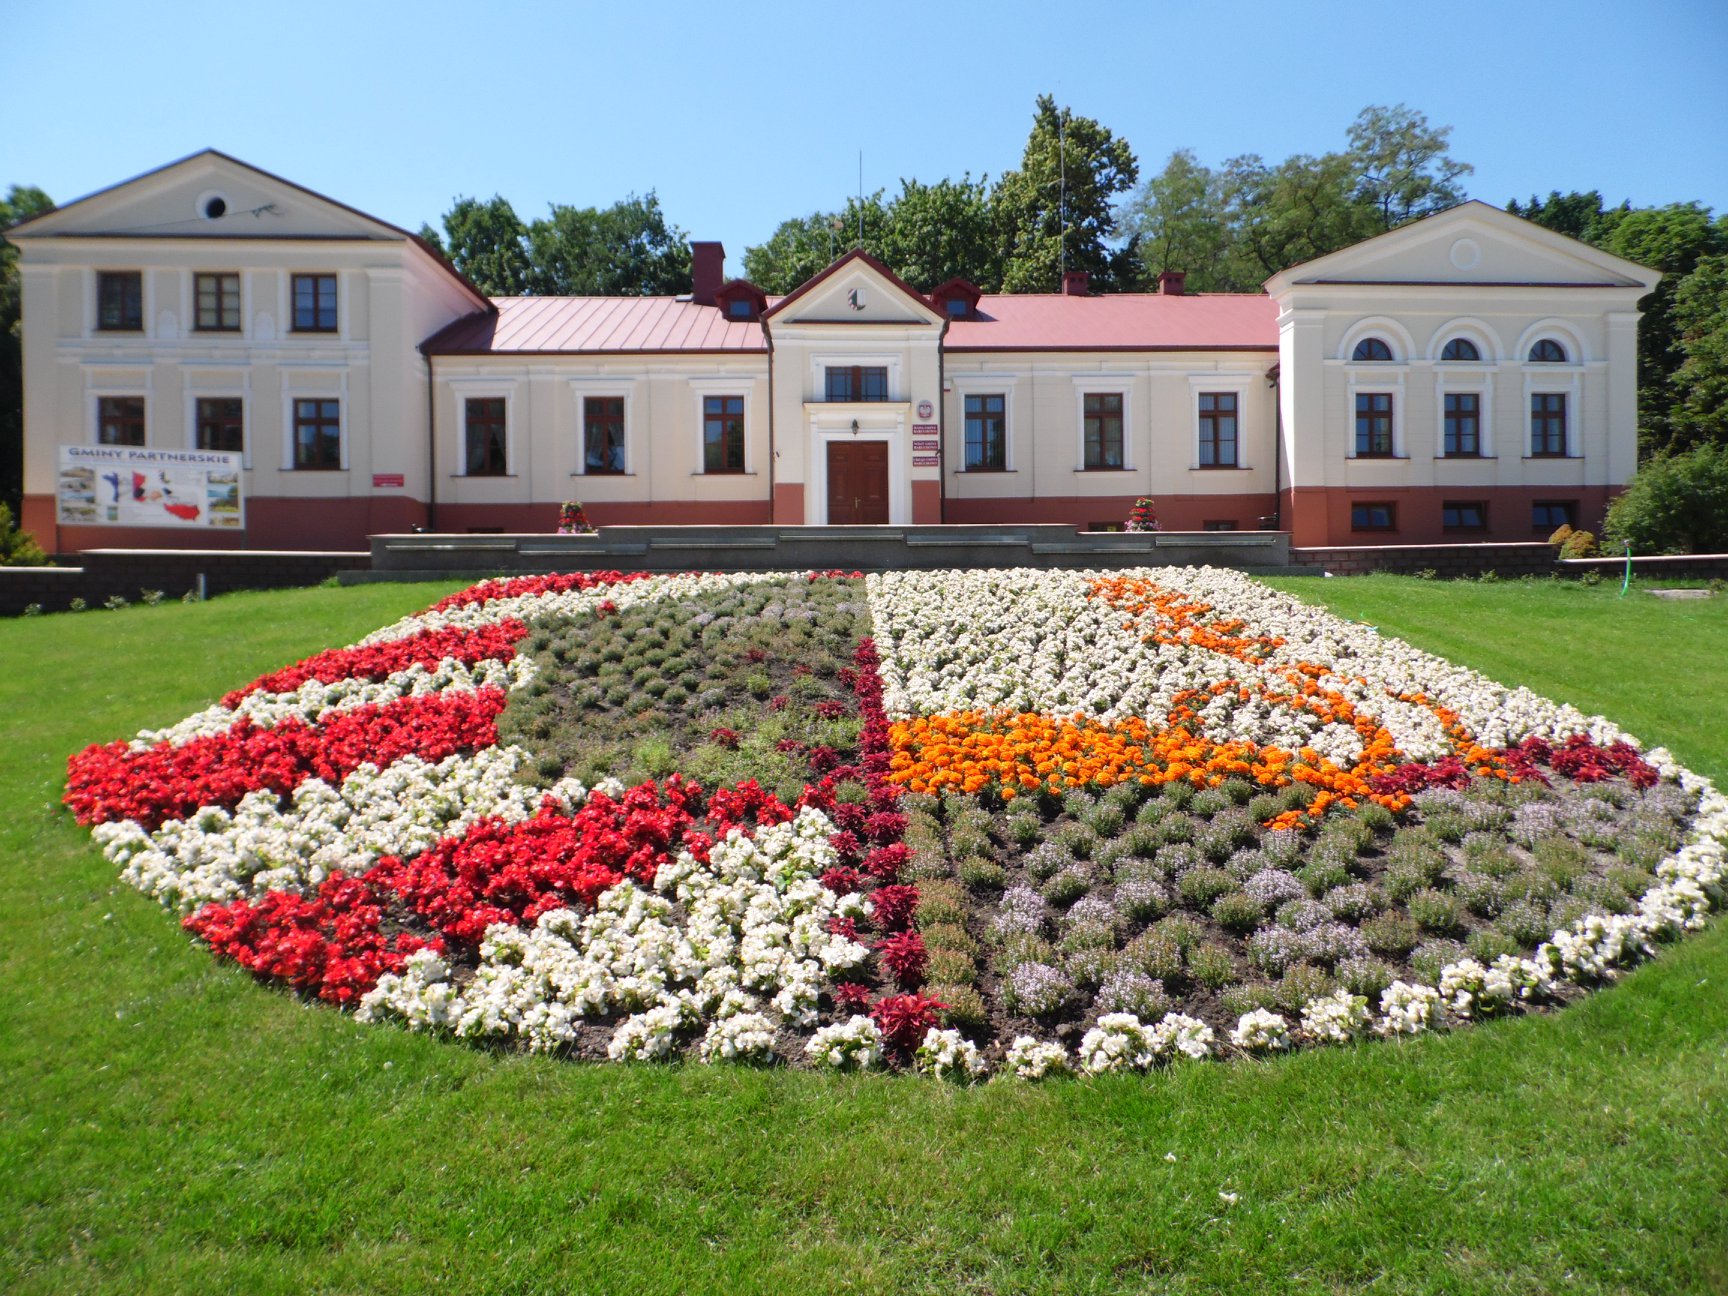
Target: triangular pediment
[(1472, 243), (209, 195), (856, 289)]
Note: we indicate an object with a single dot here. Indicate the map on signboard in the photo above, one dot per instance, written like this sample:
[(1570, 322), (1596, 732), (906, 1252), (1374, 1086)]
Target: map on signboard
[(132, 486)]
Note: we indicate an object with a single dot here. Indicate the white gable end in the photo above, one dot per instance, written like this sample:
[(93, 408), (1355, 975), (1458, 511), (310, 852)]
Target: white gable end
[(207, 195), (858, 294), (1470, 244)]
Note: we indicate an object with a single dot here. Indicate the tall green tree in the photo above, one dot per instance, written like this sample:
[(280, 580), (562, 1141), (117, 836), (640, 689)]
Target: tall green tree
[(1058, 209), (22, 202), (488, 243), (803, 246), (1294, 211), (1674, 239), (936, 231), (1582, 216), (1697, 412), (1180, 218), (628, 249), (1403, 171)]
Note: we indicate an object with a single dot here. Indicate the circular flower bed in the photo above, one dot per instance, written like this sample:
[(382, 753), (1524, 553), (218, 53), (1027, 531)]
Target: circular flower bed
[(965, 823)]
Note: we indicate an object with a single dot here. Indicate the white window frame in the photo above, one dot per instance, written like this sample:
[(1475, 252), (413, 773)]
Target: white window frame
[(480, 388), (700, 390), (985, 385), (1106, 385), (1240, 384), (581, 389)]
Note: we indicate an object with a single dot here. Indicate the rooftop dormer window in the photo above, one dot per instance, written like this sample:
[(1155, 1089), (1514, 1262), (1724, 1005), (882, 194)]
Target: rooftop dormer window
[(738, 308), (957, 298), (956, 308)]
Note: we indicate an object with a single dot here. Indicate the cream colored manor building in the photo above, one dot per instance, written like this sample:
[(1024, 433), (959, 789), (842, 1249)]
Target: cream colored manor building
[(1469, 376)]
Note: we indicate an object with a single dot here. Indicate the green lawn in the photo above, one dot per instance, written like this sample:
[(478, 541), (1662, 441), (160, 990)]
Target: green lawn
[(167, 1125)]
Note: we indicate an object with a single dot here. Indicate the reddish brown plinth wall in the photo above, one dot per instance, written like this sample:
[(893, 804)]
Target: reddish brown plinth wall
[(1175, 512), (1320, 515)]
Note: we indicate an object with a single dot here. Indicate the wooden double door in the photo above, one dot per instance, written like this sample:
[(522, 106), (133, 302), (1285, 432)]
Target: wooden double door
[(857, 483)]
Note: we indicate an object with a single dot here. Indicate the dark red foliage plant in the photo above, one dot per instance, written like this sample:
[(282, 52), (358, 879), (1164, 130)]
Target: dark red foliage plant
[(904, 956), (905, 1019)]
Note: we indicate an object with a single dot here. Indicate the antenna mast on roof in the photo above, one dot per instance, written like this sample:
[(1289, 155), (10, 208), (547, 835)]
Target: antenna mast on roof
[(860, 197), (1062, 190)]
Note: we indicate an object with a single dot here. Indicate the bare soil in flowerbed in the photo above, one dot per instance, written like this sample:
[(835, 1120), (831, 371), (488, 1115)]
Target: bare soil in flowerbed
[(1039, 915)]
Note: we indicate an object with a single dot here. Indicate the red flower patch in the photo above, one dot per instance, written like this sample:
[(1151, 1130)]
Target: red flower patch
[(905, 1019), (378, 661), (167, 782), (332, 945)]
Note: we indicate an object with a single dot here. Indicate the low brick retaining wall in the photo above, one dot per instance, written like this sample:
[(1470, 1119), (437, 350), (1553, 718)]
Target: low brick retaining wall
[(1444, 560), (1698, 567), (103, 573)]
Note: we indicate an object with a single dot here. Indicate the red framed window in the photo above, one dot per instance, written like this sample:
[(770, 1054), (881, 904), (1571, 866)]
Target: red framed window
[(603, 435), (857, 382), (1102, 415), (120, 420), (318, 434), (1218, 440), (986, 433), (484, 440), (120, 301), (1548, 425), (314, 303), (217, 305), (220, 423), (722, 434), (1373, 425)]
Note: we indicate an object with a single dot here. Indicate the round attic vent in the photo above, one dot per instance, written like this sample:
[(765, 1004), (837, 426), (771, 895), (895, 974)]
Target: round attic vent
[(212, 205), (1466, 255)]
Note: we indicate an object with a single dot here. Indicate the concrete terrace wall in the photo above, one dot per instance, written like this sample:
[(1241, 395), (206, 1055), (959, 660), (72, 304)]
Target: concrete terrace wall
[(791, 548)]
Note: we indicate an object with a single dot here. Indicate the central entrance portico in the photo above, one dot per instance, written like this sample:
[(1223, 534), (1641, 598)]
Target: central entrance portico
[(857, 483), (857, 392)]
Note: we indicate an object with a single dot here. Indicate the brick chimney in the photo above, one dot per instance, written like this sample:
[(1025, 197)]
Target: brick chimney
[(1074, 283), (707, 271), (1170, 282)]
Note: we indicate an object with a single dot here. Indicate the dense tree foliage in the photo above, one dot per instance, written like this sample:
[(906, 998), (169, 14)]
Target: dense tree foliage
[(1678, 503), (20, 204), (627, 249)]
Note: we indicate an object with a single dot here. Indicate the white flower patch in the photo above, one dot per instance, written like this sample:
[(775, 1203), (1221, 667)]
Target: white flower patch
[(217, 855), (1261, 1031), (948, 1055), (1119, 1042), (1179, 1035), (739, 1037), (751, 944), (1035, 641), (1336, 1018), (1408, 1009), (544, 609), (1034, 1059), (851, 1045)]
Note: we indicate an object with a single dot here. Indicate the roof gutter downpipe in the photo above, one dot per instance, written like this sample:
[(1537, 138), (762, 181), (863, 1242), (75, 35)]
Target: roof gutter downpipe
[(431, 449), (1275, 376)]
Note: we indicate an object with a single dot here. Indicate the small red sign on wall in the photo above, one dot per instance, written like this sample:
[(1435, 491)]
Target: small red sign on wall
[(923, 445), (386, 481), (924, 461)]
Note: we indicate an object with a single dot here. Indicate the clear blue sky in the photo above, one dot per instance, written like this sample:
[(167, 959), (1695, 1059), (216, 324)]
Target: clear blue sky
[(740, 115)]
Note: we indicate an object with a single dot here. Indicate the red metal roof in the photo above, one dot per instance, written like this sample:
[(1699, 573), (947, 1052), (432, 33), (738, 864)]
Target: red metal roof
[(1001, 322), (589, 325), (1117, 322)]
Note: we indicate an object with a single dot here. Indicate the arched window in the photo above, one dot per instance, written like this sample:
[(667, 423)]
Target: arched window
[(1548, 351), (1371, 348), (1460, 349)]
